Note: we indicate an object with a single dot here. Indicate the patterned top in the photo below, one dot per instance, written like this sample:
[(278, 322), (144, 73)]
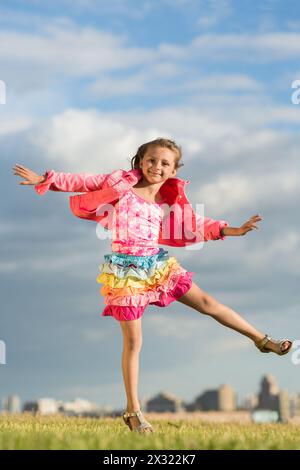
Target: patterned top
[(136, 224)]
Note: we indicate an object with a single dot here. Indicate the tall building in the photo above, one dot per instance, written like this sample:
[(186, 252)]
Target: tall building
[(284, 406), (249, 402), (271, 398), (222, 399), (295, 404), (227, 398), (11, 404), (268, 394)]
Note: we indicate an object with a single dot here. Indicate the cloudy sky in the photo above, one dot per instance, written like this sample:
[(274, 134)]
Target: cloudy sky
[(87, 82)]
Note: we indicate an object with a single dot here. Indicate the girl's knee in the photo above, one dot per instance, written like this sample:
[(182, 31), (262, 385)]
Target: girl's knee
[(132, 334), (209, 304), (133, 344)]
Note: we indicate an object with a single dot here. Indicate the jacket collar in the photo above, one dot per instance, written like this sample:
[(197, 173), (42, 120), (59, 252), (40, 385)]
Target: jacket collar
[(170, 190)]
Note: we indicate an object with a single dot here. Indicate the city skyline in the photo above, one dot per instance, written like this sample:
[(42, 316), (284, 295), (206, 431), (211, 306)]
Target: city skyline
[(239, 400)]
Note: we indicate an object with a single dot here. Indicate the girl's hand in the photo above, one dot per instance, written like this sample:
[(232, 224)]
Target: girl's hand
[(30, 176), (249, 225)]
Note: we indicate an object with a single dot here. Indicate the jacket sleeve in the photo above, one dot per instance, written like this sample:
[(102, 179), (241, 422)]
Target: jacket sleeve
[(70, 182), (210, 229)]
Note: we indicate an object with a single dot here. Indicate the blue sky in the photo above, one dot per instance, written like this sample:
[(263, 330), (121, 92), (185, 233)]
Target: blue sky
[(87, 82)]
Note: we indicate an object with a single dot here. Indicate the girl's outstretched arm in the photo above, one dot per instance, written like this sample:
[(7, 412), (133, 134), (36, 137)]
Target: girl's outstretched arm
[(243, 229), (59, 181), (218, 229), (30, 176), (210, 229)]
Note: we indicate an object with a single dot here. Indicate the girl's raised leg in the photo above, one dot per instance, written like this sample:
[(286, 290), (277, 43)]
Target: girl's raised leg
[(201, 301)]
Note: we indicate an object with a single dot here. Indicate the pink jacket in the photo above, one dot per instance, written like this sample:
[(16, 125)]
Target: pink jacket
[(181, 226)]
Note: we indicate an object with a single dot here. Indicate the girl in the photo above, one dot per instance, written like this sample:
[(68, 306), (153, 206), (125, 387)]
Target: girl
[(137, 272)]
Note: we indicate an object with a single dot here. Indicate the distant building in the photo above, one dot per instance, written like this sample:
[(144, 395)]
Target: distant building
[(77, 406), (267, 397), (221, 399), (164, 402), (43, 406), (284, 406), (249, 402), (11, 404), (295, 404), (271, 398), (30, 407), (227, 398), (207, 401), (189, 406)]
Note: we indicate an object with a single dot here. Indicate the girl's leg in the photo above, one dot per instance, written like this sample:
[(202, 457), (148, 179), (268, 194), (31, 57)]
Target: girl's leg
[(132, 343), (204, 303)]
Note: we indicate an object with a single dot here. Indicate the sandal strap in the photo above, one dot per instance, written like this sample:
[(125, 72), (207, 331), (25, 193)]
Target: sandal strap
[(143, 426), (143, 423), (265, 340), (129, 415), (262, 343)]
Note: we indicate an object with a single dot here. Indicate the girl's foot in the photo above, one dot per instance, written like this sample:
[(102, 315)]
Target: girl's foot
[(268, 344), (136, 422)]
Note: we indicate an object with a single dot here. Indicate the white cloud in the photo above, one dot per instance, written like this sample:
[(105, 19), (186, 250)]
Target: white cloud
[(223, 82), (268, 47), (234, 191), (33, 59), (156, 81), (13, 124), (8, 266), (117, 7), (214, 12), (109, 86), (229, 192), (70, 50), (281, 250), (293, 24), (89, 141), (92, 141), (149, 81)]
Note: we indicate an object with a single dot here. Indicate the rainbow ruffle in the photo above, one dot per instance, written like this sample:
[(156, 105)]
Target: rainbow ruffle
[(131, 282)]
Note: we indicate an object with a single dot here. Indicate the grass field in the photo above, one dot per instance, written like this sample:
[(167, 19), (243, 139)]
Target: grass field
[(58, 432)]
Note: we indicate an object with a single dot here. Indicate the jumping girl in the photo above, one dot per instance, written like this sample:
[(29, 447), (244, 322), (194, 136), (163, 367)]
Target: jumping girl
[(137, 272)]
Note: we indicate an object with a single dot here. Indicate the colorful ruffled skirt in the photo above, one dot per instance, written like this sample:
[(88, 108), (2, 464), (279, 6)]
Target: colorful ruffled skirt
[(131, 282)]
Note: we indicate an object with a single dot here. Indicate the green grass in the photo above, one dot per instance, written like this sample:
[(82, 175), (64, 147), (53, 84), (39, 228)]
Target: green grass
[(58, 432)]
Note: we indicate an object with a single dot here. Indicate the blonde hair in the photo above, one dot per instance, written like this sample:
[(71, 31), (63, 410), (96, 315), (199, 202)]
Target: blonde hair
[(159, 142)]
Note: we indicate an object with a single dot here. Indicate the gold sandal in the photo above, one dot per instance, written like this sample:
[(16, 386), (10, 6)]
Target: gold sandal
[(261, 345), (143, 426)]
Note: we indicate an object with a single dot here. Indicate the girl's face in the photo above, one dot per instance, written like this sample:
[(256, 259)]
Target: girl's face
[(158, 164)]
